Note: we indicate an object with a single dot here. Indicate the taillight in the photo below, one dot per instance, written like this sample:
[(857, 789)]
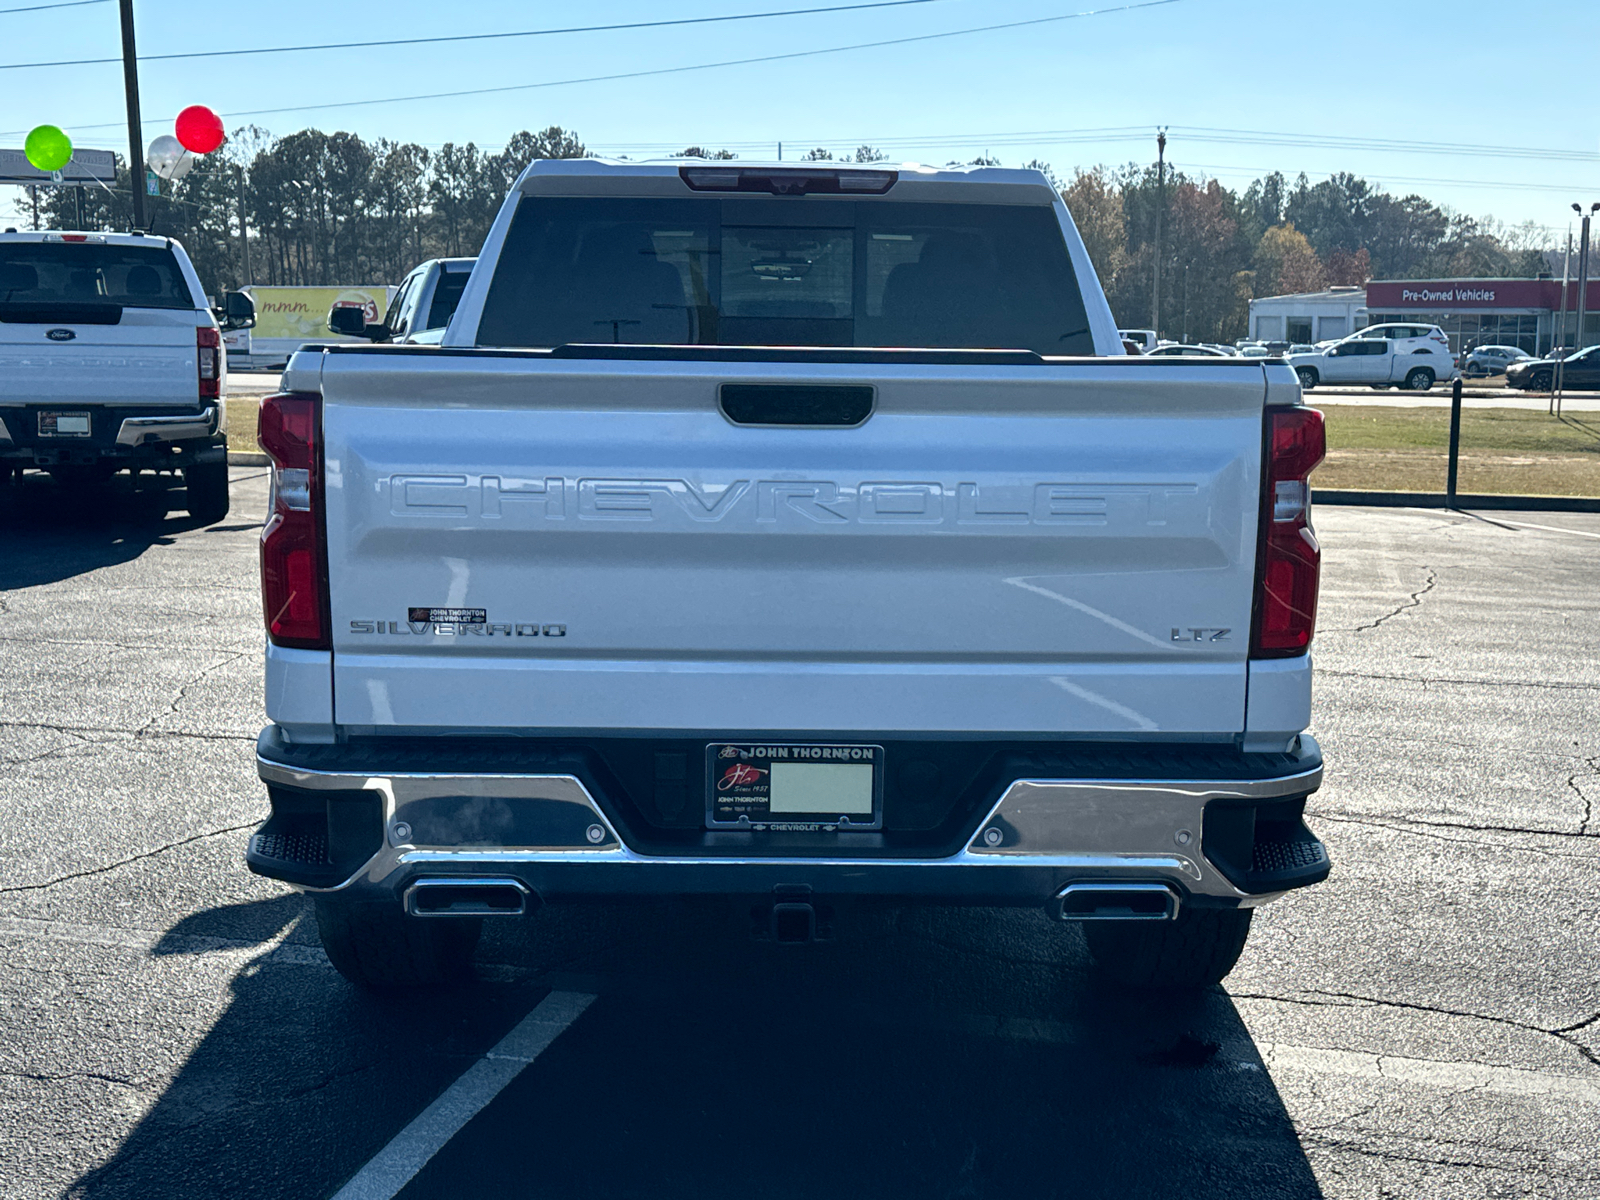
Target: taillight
[(208, 357), (294, 576), (1289, 559)]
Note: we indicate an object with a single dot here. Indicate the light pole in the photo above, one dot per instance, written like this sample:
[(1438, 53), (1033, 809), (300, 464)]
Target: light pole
[(1161, 204), (1583, 294)]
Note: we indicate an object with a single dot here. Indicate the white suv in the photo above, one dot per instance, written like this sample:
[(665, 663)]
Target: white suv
[(1414, 357)]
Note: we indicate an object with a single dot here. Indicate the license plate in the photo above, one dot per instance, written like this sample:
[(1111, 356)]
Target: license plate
[(63, 424), (810, 787)]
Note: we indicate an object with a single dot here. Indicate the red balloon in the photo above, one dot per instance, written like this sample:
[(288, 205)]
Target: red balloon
[(199, 129)]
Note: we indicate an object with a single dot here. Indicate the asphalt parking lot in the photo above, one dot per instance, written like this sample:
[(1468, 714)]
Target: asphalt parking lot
[(1425, 1024)]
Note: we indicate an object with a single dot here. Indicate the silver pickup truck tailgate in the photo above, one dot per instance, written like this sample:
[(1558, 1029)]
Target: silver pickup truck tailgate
[(148, 357), (525, 543)]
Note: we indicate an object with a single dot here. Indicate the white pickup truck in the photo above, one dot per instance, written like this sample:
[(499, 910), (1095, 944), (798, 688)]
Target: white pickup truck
[(110, 361), (799, 536)]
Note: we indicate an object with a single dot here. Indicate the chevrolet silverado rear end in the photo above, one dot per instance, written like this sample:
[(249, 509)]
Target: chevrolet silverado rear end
[(794, 536)]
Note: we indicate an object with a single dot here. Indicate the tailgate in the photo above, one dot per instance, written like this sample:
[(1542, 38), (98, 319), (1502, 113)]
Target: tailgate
[(148, 357), (525, 543)]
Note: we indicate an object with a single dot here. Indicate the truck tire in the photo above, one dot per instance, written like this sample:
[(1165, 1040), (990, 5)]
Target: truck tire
[(1419, 380), (1193, 952), (377, 947), (207, 487), (1308, 377)]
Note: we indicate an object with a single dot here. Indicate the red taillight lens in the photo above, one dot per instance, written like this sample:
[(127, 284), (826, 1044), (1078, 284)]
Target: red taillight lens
[(1289, 559), (208, 358), (294, 577)]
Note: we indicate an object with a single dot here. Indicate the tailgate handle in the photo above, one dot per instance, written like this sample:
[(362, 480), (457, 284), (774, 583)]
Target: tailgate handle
[(796, 404)]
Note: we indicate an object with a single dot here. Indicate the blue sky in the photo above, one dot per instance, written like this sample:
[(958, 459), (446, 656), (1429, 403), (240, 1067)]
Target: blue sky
[(1465, 75)]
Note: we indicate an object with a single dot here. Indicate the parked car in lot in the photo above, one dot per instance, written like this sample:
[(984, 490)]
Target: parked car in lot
[(421, 309), (111, 361), (1491, 360), (1178, 350), (1414, 357), (1255, 351), (1580, 370), (685, 573)]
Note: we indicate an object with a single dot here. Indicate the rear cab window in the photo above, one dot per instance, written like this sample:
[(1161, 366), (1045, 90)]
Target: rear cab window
[(45, 274), (776, 272), (446, 297)]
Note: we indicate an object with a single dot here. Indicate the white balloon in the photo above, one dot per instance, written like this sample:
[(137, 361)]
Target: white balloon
[(167, 157)]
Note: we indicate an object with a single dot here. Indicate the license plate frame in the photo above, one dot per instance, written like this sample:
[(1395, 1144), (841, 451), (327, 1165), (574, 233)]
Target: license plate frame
[(741, 778), (50, 420)]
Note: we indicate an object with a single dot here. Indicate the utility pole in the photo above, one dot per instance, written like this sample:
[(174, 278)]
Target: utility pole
[(1161, 206), (130, 80), (244, 231)]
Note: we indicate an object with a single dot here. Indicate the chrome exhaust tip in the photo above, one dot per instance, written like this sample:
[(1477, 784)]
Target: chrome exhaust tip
[(467, 897), (1118, 902)]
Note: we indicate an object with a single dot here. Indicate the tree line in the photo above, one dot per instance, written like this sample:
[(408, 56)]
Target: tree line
[(334, 208), (1220, 248)]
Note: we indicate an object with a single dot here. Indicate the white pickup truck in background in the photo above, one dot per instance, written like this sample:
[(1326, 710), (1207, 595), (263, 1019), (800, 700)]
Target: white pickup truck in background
[(110, 361), (800, 536), (420, 310)]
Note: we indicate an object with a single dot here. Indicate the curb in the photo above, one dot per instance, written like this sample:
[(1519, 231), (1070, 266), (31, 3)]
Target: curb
[(1585, 504), (245, 458)]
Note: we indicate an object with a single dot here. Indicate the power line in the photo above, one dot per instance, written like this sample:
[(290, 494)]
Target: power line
[(732, 62), (468, 37), (62, 4)]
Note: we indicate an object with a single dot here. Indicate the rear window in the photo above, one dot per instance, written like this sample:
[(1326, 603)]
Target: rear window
[(780, 272), (446, 296), (86, 273)]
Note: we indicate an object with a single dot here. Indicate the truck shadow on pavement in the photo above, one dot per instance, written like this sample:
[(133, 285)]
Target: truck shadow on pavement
[(49, 533), (952, 1053)]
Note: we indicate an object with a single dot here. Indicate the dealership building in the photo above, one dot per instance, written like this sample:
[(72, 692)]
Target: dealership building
[(1472, 312)]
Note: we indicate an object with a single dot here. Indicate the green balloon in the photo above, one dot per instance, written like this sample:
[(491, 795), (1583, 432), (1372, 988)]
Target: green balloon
[(48, 148)]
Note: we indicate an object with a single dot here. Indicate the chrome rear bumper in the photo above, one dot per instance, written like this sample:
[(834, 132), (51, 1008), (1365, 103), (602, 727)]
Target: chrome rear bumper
[(137, 431), (549, 832)]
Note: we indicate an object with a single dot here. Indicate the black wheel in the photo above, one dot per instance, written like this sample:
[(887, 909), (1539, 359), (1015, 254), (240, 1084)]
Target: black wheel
[(376, 946), (1308, 377), (1193, 952), (1544, 381), (1419, 380), (207, 486)]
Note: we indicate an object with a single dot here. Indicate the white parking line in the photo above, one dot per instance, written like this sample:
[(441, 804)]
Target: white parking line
[(398, 1163), (1551, 528)]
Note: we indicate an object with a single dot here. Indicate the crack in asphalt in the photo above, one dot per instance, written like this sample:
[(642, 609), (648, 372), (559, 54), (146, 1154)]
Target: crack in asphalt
[(1408, 824), (101, 870), (337, 1077), (1413, 602), (1588, 803), (1559, 685), (1389, 738), (1359, 1001), (183, 689), (97, 642), (128, 733), (1534, 1165), (60, 1076)]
